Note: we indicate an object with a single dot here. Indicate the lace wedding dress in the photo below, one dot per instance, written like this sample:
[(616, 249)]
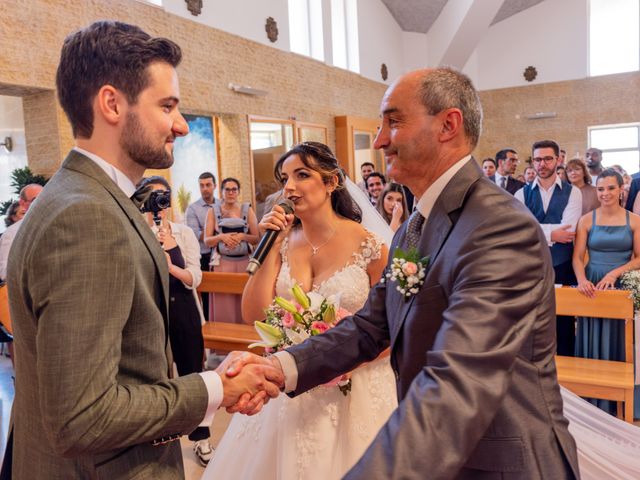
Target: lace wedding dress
[(322, 433)]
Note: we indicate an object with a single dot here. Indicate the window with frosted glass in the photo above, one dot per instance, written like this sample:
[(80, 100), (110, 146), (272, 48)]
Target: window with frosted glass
[(305, 28), (620, 145), (614, 36)]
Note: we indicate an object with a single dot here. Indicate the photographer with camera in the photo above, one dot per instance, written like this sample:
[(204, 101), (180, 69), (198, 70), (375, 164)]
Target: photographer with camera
[(185, 313), (232, 229)]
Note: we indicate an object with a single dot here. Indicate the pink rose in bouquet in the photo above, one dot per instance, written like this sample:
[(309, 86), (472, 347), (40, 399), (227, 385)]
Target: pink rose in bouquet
[(287, 320), (409, 268), (321, 327)]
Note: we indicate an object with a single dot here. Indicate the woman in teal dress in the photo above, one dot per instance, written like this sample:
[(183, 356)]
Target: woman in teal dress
[(611, 235)]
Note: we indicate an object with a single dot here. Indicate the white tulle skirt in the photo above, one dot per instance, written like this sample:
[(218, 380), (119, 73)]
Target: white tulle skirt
[(608, 448), (318, 435)]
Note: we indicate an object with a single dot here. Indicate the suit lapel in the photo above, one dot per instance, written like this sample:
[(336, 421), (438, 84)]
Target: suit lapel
[(79, 163), (441, 221)]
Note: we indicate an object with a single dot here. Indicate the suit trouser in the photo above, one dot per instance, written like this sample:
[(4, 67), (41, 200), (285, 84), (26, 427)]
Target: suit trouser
[(205, 258), (565, 326)]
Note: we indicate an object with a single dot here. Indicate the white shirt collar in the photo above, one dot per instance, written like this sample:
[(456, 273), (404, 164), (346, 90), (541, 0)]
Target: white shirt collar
[(536, 183), (119, 178), (428, 198)]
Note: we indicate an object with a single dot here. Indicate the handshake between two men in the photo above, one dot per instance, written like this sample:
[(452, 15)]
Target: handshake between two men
[(249, 381)]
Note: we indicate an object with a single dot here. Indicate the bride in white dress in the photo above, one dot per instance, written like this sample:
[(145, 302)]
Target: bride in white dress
[(322, 433)]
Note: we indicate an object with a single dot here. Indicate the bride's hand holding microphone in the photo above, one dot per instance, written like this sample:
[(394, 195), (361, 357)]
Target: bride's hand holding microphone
[(273, 227), (277, 219)]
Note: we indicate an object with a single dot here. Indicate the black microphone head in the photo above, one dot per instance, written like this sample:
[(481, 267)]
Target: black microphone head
[(287, 206)]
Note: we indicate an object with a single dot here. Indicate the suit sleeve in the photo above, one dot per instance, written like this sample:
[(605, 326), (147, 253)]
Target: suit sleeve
[(498, 285), (83, 300)]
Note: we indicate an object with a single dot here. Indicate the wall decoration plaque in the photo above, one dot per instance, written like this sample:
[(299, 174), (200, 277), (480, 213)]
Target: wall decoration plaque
[(271, 27)]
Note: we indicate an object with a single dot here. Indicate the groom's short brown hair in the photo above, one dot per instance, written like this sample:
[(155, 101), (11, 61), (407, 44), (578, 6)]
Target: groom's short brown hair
[(106, 53)]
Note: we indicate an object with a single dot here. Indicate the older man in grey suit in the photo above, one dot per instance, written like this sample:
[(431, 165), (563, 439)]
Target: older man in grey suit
[(89, 290), (473, 348)]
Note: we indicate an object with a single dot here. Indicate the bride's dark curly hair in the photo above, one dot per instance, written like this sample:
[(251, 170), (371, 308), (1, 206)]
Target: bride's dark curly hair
[(318, 157)]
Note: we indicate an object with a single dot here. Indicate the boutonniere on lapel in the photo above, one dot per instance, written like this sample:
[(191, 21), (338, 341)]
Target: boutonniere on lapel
[(408, 271)]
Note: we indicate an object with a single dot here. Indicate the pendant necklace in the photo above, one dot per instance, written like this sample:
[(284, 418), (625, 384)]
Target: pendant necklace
[(314, 249)]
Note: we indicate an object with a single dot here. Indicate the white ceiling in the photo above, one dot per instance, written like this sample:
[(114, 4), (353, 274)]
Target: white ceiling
[(419, 15)]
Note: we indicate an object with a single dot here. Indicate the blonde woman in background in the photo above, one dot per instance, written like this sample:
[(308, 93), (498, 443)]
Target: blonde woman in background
[(579, 177)]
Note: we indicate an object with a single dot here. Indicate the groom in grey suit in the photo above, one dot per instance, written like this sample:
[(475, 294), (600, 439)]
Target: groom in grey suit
[(88, 282), (473, 349)]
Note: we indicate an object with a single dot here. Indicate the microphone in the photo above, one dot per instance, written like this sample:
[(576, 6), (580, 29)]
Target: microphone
[(266, 242)]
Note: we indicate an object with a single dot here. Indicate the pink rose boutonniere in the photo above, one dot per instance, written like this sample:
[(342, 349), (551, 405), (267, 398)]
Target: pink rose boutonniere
[(407, 270)]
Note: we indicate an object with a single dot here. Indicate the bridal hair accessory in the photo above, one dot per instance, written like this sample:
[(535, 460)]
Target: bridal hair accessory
[(408, 270), (292, 322)]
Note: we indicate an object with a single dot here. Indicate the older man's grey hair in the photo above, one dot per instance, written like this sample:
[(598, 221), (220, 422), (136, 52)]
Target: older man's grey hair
[(444, 88)]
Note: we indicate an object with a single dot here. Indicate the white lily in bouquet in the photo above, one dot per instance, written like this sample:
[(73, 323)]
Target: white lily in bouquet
[(290, 322)]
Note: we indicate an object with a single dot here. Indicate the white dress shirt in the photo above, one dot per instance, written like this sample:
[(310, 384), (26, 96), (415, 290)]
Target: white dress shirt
[(572, 211), (499, 178), (424, 206), (211, 379)]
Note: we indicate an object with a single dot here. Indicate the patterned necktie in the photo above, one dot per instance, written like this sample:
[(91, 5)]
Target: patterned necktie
[(141, 195), (503, 182), (414, 229)]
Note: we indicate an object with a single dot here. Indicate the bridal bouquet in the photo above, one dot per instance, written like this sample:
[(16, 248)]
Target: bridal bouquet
[(292, 322)]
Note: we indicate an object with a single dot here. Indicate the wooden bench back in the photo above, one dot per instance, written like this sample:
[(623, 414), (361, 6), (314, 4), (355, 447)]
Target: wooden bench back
[(222, 282), (5, 315), (614, 304)]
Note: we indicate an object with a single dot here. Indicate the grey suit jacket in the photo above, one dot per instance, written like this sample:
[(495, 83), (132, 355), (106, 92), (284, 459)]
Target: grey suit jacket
[(88, 286), (473, 351)]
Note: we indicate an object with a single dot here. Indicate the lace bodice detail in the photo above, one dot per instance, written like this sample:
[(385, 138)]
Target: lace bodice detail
[(351, 282)]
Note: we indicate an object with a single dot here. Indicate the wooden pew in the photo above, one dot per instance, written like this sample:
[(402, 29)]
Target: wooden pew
[(221, 335), (602, 379)]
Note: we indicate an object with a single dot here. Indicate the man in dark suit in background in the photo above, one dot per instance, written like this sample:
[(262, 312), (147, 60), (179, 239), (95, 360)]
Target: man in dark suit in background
[(473, 350), (507, 160)]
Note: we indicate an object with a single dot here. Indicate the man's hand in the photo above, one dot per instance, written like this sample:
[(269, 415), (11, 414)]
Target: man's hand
[(563, 235), (248, 381)]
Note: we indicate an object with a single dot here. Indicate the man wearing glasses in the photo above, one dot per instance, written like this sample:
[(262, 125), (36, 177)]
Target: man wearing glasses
[(557, 206)]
